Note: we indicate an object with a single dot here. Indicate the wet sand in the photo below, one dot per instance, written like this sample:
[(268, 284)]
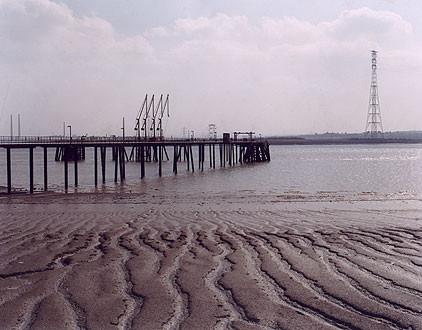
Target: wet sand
[(120, 261)]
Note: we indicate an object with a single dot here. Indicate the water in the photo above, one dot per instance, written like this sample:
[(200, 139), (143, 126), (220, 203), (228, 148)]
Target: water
[(391, 170)]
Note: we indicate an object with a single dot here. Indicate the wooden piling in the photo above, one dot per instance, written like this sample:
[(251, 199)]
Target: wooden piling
[(31, 170), (57, 154), (203, 157), (95, 166), (187, 157), (199, 156), (45, 170), (234, 154), (224, 155), (160, 156), (103, 154), (116, 161), (121, 153), (75, 167), (155, 158), (210, 154), (66, 172), (123, 156), (191, 158), (213, 156), (9, 171), (175, 158), (179, 154), (113, 153), (165, 153), (142, 162), (221, 154)]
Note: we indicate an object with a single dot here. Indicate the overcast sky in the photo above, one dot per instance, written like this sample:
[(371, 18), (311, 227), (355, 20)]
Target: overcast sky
[(272, 66)]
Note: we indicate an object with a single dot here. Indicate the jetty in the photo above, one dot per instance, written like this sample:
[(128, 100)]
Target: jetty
[(228, 151)]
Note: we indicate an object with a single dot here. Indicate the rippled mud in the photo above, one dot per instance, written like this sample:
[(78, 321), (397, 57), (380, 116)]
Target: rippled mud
[(107, 262)]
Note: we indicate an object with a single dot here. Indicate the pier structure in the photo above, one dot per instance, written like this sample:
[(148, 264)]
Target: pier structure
[(224, 152)]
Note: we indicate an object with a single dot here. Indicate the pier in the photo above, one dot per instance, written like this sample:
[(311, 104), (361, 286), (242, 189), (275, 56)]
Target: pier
[(226, 152)]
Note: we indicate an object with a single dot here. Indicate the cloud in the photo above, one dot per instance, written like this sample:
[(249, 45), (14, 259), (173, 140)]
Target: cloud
[(367, 23), (273, 75)]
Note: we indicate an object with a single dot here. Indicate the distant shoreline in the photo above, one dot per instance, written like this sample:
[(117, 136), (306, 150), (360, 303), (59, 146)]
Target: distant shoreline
[(338, 141)]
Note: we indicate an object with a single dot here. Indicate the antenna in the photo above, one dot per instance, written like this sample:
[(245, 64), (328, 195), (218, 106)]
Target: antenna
[(19, 125), (373, 120), (11, 126)]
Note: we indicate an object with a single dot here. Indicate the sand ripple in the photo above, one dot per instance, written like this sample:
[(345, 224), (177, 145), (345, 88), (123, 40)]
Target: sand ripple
[(72, 264)]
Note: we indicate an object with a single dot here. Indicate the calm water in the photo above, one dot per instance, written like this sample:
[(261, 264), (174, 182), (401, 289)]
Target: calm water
[(386, 169)]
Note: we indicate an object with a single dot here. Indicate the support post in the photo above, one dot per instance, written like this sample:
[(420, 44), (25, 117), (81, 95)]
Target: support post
[(221, 155), (66, 178), (116, 163), (213, 156), (121, 153), (103, 152), (31, 170), (9, 171), (210, 154), (191, 158), (224, 155), (76, 171), (187, 152), (233, 154), (203, 157), (45, 170), (199, 156), (160, 157), (124, 157), (165, 153), (96, 166), (175, 157), (142, 162)]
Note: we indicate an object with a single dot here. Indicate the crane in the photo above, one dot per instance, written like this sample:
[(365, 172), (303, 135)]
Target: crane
[(164, 107), (154, 112), (143, 114), (139, 116), (154, 115)]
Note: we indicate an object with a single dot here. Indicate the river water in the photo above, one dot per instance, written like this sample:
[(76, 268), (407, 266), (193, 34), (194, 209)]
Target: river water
[(390, 171)]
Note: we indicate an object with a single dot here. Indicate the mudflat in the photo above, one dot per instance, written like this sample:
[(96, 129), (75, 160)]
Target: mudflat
[(137, 261)]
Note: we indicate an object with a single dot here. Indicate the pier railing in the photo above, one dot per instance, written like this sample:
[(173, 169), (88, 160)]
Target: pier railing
[(39, 140)]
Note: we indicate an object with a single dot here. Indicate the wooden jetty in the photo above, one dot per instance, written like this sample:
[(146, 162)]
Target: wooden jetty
[(228, 152)]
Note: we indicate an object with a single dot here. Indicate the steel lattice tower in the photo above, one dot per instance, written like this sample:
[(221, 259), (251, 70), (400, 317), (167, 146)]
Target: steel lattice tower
[(373, 120)]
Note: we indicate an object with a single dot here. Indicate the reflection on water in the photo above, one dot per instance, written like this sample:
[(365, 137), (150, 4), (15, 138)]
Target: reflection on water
[(386, 169)]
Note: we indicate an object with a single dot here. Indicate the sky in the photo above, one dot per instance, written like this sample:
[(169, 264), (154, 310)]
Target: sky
[(276, 67)]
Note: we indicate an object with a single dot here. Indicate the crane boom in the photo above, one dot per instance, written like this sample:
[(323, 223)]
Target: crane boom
[(141, 110)]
